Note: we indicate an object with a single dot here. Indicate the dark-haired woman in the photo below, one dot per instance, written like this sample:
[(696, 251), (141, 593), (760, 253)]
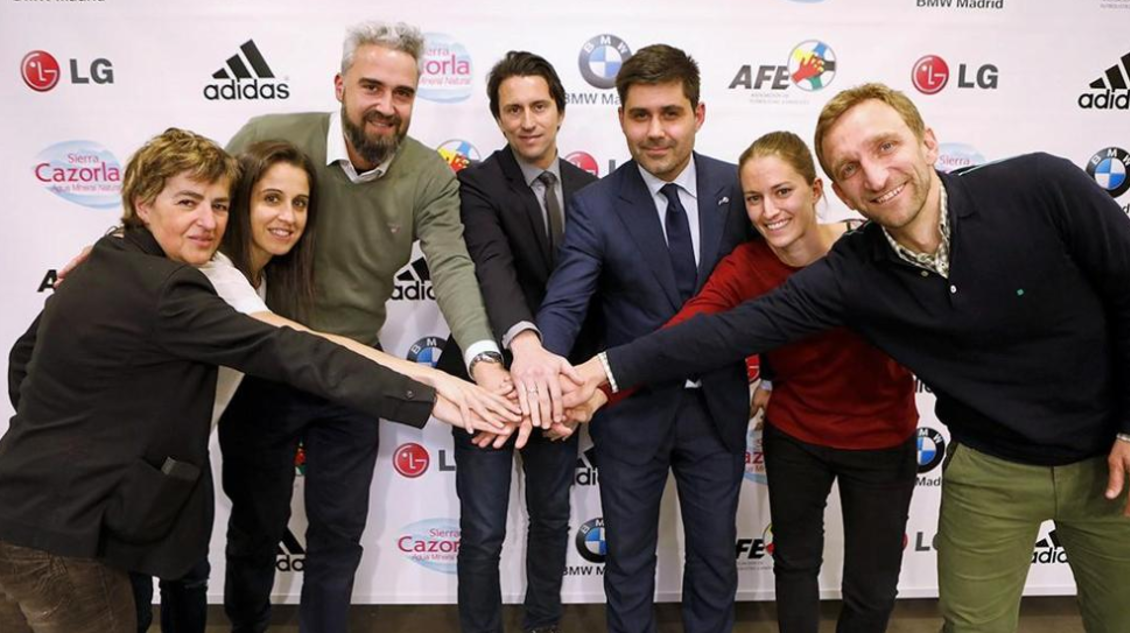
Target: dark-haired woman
[(266, 256)]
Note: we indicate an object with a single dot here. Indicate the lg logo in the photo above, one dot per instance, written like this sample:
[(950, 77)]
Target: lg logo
[(41, 71), (931, 74), (411, 460)]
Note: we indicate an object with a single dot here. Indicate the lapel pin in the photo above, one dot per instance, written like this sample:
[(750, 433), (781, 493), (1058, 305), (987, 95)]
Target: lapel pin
[(724, 200)]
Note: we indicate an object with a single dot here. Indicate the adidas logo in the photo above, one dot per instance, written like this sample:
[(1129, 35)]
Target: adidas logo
[(245, 76), (1113, 87), (414, 283), (291, 555), (587, 473), (1048, 550)]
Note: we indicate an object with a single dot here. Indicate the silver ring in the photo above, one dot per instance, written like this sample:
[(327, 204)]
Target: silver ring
[(533, 389)]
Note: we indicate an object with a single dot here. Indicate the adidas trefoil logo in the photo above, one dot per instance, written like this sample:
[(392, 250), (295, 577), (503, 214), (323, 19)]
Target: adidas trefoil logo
[(246, 76), (1113, 87)]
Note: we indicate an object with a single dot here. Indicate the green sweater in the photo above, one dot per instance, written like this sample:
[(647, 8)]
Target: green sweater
[(366, 231)]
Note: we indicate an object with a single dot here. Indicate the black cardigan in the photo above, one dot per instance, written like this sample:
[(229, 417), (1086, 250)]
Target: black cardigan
[(107, 455)]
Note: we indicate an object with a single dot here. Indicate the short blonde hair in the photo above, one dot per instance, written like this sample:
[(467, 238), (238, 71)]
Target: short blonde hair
[(852, 97), (170, 153)]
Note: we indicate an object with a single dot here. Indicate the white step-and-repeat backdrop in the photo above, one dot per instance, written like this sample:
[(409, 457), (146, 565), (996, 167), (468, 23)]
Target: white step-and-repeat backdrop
[(84, 82)]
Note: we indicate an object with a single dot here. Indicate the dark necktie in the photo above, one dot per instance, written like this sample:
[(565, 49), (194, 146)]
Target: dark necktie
[(552, 209), (679, 242)]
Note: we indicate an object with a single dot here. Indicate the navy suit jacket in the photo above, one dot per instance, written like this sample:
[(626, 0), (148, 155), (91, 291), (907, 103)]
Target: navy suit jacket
[(614, 249)]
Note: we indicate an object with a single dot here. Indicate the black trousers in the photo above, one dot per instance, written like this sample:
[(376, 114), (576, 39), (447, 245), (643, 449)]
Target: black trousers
[(184, 601), (482, 480), (259, 436), (875, 490)]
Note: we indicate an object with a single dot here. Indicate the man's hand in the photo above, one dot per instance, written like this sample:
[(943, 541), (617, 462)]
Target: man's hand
[(450, 413), (560, 431), (536, 375), (591, 376), (759, 402), (498, 440), (583, 413), (494, 378), (1119, 464), (71, 265), (494, 407), (576, 416)]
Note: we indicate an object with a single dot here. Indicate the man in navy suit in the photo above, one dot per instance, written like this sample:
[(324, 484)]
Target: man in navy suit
[(641, 242)]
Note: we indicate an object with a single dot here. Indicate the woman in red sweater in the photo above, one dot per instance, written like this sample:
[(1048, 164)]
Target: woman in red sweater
[(840, 409)]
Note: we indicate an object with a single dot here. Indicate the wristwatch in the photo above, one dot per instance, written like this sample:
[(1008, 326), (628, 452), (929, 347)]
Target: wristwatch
[(493, 358)]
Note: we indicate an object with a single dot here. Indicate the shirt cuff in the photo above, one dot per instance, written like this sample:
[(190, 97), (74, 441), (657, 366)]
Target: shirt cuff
[(603, 356), (516, 329), (476, 348)]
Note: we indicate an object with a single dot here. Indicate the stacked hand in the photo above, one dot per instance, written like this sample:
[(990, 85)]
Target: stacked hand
[(468, 418), (538, 377), (489, 404)]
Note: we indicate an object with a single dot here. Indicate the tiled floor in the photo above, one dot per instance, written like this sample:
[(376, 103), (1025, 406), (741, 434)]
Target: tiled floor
[(1038, 615)]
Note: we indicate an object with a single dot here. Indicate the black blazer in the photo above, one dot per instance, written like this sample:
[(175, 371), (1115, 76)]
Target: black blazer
[(508, 241), (113, 385)]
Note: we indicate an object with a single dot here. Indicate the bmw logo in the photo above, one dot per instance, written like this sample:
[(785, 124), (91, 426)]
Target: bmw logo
[(590, 541), (601, 58), (1108, 167), (426, 351), (931, 449)]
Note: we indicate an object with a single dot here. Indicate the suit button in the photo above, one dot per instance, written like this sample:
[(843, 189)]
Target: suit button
[(410, 394)]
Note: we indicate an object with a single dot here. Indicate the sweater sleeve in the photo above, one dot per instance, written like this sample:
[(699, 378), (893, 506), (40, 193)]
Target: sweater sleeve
[(1097, 235), (437, 224)]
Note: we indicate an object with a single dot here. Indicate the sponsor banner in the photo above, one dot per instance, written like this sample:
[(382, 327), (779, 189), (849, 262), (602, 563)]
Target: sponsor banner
[(82, 172), (246, 76), (447, 70), (42, 72), (431, 543), (810, 67), (1111, 91), (1108, 167)]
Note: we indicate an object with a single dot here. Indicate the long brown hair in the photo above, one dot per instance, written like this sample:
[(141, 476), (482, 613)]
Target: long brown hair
[(290, 286)]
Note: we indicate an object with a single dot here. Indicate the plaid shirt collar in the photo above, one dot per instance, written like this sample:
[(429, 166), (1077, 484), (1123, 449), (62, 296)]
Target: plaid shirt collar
[(939, 261)]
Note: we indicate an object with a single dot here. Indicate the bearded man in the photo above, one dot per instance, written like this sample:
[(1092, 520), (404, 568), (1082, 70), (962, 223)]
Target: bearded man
[(379, 191)]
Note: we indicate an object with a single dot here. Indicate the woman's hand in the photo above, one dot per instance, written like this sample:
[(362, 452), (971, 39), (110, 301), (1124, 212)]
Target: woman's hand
[(469, 397)]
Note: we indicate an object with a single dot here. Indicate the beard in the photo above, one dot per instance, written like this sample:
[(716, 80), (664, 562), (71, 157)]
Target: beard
[(378, 148)]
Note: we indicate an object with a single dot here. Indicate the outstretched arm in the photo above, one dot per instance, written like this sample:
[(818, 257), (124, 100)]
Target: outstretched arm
[(466, 396)]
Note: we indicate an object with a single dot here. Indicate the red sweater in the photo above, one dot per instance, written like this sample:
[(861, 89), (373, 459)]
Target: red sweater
[(831, 389)]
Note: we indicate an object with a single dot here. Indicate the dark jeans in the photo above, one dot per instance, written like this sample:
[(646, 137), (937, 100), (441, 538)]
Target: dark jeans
[(259, 435), (184, 601), (708, 476), (875, 490), (482, 480), (44, 593)]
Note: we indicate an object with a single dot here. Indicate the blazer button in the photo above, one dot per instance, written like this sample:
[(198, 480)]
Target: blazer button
[(410, 394)]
